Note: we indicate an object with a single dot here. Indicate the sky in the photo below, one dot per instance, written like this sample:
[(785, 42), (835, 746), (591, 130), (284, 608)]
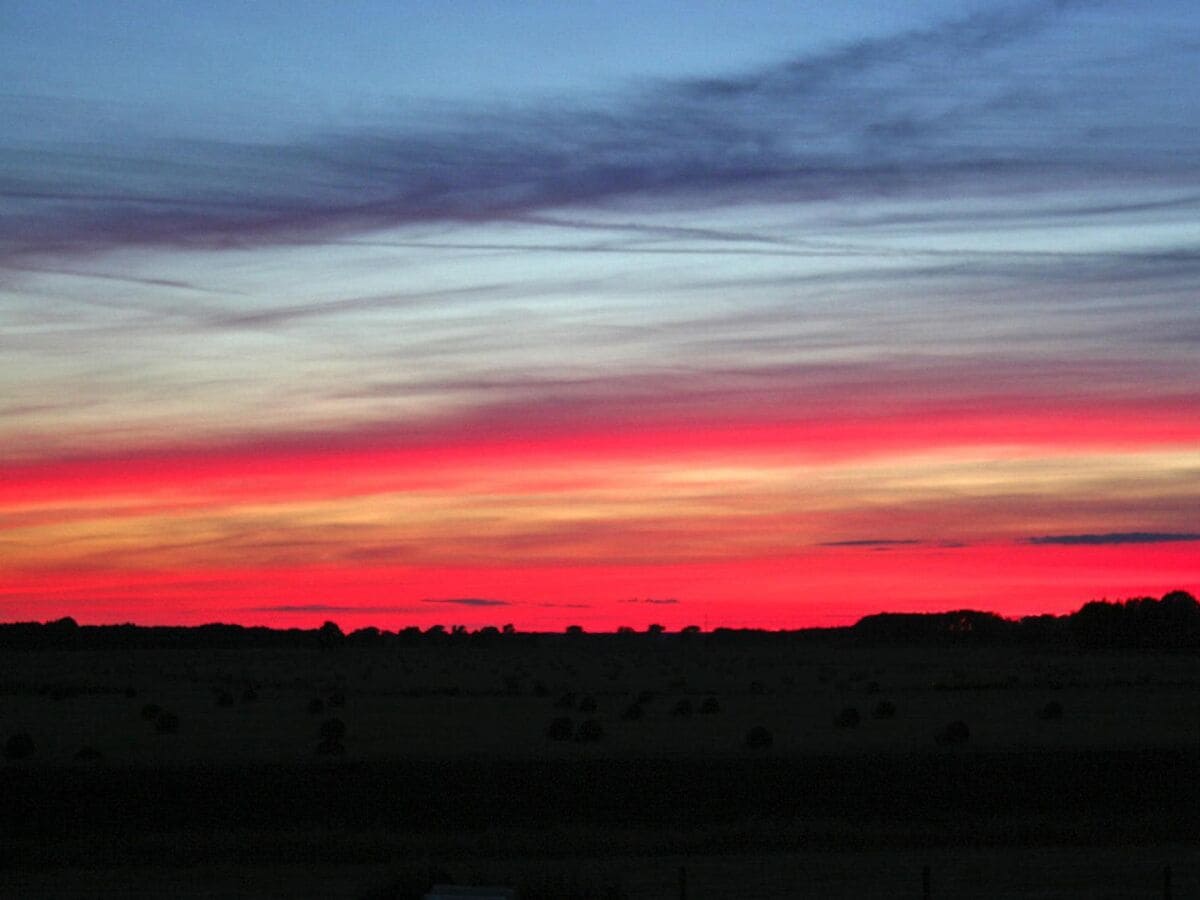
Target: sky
[(767, 314)]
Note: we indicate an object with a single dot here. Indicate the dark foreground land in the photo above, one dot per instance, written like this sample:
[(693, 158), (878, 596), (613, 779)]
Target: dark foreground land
[(1078, 775)]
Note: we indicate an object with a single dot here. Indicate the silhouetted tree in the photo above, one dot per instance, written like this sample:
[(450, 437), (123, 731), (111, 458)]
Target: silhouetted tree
[(330, 636)]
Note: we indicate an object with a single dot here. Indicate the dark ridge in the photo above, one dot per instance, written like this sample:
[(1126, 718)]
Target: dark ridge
[(1172, 622)]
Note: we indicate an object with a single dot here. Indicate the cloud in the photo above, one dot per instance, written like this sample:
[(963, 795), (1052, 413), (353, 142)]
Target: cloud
[(330, 608), (1115, 537), (870, 542), (467, 601), (654, 601), (928, 109)]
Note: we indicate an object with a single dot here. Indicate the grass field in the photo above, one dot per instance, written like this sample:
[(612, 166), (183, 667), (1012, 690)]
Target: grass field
[(446, 762)]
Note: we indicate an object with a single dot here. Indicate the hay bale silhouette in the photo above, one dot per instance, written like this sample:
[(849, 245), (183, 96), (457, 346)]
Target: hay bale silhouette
[(1051, 712), (332, 730), (953, 734), (329, 747), (19, 746), (848, 717), (759, 738), (590, 731), (560, 729), (710, 706), (884, 709), (633, 712)]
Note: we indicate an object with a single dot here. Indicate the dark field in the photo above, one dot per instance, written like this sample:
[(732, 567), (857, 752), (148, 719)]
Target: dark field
[(1079, 774)]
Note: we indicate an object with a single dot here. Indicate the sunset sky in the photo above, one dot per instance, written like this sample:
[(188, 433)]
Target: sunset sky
[(734, 314)]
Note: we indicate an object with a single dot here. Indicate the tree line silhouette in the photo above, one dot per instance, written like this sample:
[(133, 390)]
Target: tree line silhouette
[(1169, 622)]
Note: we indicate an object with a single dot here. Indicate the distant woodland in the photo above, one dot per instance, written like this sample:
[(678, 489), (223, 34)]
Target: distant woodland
[(1169, 622)]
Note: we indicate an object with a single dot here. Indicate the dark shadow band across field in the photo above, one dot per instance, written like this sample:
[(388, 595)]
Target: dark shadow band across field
[(895, 800)]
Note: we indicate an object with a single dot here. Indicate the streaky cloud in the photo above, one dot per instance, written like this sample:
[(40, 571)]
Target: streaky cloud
[(467, 601), (1115, 537), (931, 111)]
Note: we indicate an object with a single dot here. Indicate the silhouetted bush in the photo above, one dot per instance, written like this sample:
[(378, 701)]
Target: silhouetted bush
[(884, 709), (560, 729), (710, 706), (19, 746), (151, 711), (847, 718), (953, 734), (332, 730), (633, 712), (590, 730), (316, 706), (587, 704), (1051, 711), (759, 738), (88, 753), (166, 723), (683, 707)]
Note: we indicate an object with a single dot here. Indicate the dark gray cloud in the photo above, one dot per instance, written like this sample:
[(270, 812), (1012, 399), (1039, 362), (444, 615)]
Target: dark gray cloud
[(1115, 537), (968, 102), (467, 601), (654, 601)]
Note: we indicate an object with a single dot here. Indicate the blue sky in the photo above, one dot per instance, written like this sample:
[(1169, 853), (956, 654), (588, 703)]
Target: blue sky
[(729, 281)]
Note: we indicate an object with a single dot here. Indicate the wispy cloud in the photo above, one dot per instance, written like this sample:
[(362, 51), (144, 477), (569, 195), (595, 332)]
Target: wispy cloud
[(466, 601), (329, 608), (871, 542), (1115, 537), (925, 108), (654, 601)]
